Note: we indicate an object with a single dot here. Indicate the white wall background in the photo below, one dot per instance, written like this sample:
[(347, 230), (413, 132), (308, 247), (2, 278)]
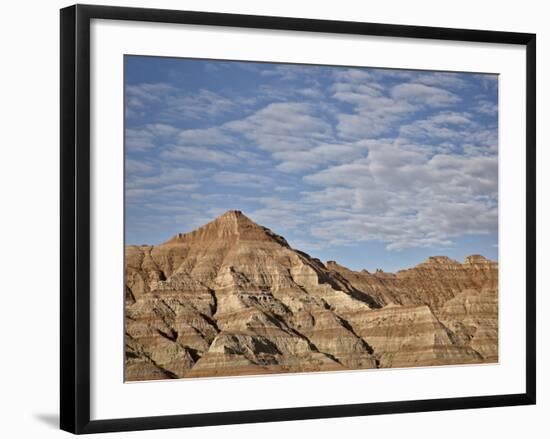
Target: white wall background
[(29, 170)]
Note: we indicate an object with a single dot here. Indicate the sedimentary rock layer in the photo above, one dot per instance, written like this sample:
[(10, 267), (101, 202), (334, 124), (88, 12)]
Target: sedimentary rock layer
[(233, 298)]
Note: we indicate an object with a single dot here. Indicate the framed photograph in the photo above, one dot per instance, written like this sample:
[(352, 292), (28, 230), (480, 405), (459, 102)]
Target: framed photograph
[(304, 218)]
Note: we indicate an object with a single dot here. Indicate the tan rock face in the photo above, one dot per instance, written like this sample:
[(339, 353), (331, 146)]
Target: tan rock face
[(232, 298)]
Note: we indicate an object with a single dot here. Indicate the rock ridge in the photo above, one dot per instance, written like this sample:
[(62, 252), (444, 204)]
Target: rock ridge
[(233, 298), (233, 224)]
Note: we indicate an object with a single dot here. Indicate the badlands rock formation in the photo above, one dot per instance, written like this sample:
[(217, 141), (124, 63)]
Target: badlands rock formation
[(233, 298)]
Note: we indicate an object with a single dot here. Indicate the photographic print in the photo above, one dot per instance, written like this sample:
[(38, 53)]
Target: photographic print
[(290, 218)]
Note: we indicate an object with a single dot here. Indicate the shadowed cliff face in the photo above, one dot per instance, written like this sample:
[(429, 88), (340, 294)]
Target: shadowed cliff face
[(232, 298)]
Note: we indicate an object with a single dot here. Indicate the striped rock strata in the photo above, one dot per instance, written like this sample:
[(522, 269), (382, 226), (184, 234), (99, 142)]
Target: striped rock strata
[(233, 298)]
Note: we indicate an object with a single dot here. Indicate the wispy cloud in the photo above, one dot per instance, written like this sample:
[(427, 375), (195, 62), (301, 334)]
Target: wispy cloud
[(421, 94), (282, 127), (198, 154), (171, 103), (242, 179), (141, 96)]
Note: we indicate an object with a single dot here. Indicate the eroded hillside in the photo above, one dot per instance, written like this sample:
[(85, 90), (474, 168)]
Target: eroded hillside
[(233, 298)]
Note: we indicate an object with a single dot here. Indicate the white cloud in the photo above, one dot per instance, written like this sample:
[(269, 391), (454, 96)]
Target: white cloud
[(139, 96), (138, 139), (298, 161), (404, 195), (144, 138), (443, 126), (375, 112), (284, 72), (441, 79), (174, 103), (310, 92), (198, 154), (204, 136), (393, 74), (161, 129), (180, 187), (487, 107), (138, 167), (420, 94), (352, 75), (242, 179), (280, 213), (132, 194), (452, 118), (282, 126), (352, 199), (451, 132), (489, 82), (349, 174), (197, 105), (365, 125), (164, 177)]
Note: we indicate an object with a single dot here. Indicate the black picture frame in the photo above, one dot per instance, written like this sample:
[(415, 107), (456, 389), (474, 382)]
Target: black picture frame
[(75, 217)]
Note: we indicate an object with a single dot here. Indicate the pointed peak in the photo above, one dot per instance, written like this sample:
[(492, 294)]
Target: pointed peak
[(232, 214), (232, 224), (234, 220)]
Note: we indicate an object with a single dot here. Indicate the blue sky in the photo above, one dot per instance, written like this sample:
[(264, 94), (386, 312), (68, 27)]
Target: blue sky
[(373, 168)]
